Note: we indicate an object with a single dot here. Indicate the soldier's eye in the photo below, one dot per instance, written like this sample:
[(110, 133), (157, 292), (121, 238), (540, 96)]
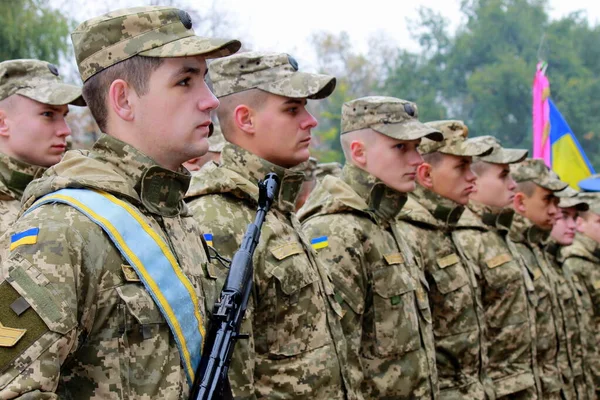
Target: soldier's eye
[(184, 82), (47, 114)]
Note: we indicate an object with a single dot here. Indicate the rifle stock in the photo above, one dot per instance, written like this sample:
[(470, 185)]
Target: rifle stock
[(211, 380)]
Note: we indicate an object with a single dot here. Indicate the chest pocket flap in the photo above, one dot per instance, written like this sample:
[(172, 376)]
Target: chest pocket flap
[(292, 271), (392, 281), (451, 274), (139, 304)]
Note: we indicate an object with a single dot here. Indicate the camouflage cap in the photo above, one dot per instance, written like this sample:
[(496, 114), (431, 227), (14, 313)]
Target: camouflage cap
[(275, 73), (324, 169), (216, 141), (146, 31), (569, 197), (592, 199), (39, 81), (534, 169), (390, 116), (454, 141), (499, 154)]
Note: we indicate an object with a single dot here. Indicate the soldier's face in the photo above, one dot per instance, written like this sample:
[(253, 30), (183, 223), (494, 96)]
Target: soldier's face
[(452, 178), (565, 227), (393, 161), (589, 225), (541, 208), (34, 132), (172, 119), (283, 130), (495, 186)]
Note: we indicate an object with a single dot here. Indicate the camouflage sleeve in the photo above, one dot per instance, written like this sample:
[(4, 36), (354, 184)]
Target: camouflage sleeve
[(589, 273), (225, 222), (43, 294), (345, 259)]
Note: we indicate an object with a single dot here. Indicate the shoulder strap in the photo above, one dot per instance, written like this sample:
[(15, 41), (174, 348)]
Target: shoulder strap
[(151, 258)]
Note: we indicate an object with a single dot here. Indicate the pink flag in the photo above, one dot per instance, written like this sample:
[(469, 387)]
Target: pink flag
[(541, 114)]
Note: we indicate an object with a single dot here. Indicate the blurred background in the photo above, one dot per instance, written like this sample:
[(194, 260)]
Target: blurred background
[(472, 60)]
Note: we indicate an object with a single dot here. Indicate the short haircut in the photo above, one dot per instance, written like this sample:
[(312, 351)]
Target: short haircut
[(136, 71), (526, 187), (434, 158), (366, 135), (253, 98), (479, 167)]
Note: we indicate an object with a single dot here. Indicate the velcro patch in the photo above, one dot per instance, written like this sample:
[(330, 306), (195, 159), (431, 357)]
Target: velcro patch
[(129, 273), (208, 237), (319, 242), (596, 285), (499, 260), (537, 274), (10, 336), (448, 260), (286, 250), (394, 258), (26, 237)]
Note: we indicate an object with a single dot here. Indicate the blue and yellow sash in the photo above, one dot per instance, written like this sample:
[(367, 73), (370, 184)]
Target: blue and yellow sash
[(151, 258)]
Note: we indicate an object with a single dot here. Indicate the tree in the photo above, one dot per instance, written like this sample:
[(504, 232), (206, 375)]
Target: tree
[(32, 29)]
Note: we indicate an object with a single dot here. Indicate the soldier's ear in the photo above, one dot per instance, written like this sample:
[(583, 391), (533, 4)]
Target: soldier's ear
[(358, 152), (519, 203), (193, 164), (120, 100), (580, 223), (424, 175), (244, 118), (4, 126)]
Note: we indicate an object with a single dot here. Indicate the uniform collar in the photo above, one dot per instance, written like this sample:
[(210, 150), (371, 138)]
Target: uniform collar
[(254, 169), (161, 190), (497, 218), (522, 230), (382, 200), (16, 175), (442, 208)]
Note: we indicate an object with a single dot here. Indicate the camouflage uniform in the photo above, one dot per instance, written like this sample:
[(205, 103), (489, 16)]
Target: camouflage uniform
[(526, 243), (92, 329), (39, 81), (427, 221), (505, 289), (387, 320), (296, 348)]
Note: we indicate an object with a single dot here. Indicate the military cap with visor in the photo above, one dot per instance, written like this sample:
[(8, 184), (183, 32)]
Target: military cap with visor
[(154, 31), (455, 141), (275, 73), (570, 197), (499, 154), (396, 118), (536, 171), (593, 200), (39, 81)]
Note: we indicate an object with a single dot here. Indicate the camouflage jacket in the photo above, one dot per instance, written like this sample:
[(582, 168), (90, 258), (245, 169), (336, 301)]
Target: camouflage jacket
[(15, 175), (387, 320), (581, 260), (427, 221), (576, 322), (297, 347), (509, 317), (527, 244), (93, 331)]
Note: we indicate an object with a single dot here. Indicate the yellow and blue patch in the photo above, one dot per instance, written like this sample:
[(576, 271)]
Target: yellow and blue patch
[(208, 237), (319, 242), (26, 237)]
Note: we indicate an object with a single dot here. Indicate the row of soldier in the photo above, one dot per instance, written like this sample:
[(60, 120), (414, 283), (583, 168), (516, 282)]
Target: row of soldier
[(432, 266)]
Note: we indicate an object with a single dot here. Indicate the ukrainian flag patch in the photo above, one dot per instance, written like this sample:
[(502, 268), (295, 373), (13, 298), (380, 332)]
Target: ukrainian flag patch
[(208, 238), (319, 242), (26, 237)]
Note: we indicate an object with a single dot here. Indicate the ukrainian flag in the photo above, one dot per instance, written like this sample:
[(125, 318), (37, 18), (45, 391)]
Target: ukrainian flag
[(568, 158), (27, 237), (208, 237), (319, 242)]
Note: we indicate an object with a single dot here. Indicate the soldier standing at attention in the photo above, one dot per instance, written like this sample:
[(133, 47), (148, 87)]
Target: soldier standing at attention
[(296, 348), (102, 284), (33, 105), (535, 205), (505, 288), (387, 320), (445, 181)]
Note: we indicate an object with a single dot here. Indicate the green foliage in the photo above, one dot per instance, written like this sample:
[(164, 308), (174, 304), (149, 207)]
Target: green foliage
[(32, 29)]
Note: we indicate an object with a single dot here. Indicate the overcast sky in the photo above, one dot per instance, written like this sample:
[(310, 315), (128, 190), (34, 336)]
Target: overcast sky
[(276, 25)]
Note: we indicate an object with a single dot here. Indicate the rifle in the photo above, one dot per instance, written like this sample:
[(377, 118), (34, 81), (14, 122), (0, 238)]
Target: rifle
[(211, 380)]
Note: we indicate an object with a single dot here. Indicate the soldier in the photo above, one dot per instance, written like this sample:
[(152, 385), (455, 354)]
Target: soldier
[(296, 347), (428, 220), (102, 287), (33, 130), (216, 142), (535, 206), (573, 298), (509, 318), (387, 320)]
